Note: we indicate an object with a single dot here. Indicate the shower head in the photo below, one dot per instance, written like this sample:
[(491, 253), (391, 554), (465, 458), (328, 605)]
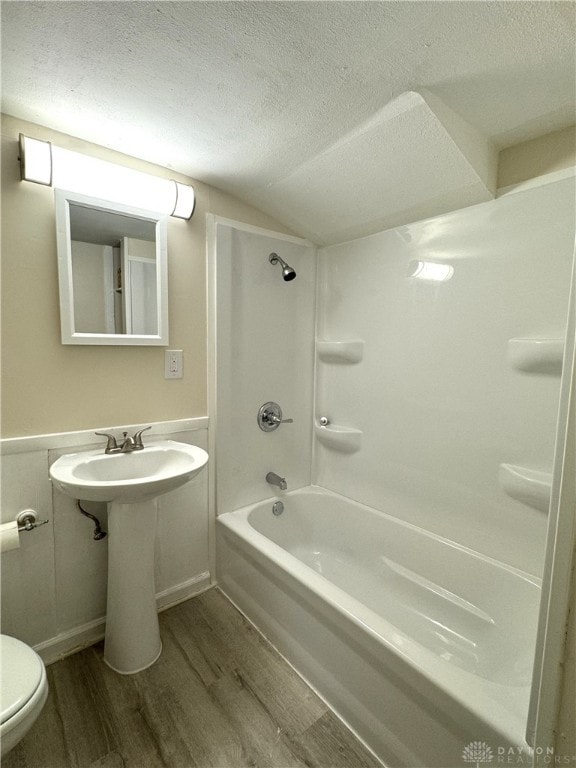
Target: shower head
[(287, 272)]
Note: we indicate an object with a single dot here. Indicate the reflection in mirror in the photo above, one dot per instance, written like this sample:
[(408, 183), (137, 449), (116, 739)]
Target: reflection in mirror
[(112, 263), (117, 253)]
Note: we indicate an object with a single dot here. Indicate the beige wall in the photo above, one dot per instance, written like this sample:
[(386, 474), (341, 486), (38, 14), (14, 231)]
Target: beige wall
[(552, 152), (48, 387)]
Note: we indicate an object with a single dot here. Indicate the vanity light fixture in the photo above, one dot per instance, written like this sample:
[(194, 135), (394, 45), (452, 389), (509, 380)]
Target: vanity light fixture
[(35, 160), (185, 201), (44, 163)]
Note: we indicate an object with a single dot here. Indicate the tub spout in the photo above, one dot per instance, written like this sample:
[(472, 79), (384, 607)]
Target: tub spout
[(275, 479)]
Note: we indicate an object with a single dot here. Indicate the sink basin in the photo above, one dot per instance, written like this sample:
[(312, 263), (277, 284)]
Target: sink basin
[(127, 478)]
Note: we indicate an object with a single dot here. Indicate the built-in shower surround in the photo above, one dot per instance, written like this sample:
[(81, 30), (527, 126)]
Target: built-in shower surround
[(437, 395), (266, 349), (437, 358)]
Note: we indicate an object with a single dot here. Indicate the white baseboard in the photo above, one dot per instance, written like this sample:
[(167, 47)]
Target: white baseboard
[(67, 643), (181, 592)]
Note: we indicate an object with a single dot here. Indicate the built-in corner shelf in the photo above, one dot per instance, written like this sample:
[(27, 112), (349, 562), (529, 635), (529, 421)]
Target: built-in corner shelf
[(343, 439), (530, 486), (536, 355), (350, 351)]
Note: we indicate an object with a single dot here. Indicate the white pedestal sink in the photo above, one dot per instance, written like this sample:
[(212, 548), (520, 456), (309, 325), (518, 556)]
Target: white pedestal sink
[(131, 484)]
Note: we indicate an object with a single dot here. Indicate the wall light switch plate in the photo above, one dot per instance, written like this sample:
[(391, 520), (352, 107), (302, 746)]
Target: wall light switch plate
[(173, 364)]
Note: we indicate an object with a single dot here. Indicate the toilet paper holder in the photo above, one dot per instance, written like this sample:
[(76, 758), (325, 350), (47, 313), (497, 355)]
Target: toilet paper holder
[(27, 520)]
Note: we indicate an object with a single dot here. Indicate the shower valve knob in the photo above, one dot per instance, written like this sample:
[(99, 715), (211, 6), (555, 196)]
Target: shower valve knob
[(270, 417)]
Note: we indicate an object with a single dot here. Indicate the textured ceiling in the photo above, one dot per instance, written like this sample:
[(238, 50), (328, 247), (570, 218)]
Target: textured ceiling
[(241, 94), (414, 159)]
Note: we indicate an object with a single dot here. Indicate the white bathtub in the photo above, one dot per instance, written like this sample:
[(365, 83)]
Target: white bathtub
[(422, 646)]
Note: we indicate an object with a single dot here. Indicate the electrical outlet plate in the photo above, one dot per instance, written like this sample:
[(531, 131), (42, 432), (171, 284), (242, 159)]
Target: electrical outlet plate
[(173, 364)]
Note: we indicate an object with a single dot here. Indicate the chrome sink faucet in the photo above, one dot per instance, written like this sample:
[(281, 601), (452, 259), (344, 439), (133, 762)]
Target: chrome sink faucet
[(275, 479), (129, 444)]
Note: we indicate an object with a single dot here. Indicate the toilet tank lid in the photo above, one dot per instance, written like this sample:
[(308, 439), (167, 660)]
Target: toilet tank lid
[(20, 675)]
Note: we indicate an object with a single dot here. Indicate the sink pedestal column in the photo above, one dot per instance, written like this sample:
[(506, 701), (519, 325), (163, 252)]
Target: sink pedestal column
[(132, 631)]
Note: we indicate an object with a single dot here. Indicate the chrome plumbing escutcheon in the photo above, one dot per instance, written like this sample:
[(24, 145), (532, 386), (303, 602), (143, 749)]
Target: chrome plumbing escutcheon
[(324, 421), (277, 508), (270, 417)]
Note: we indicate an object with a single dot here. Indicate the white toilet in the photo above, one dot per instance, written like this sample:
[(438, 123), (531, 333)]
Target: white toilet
[(23, 690)]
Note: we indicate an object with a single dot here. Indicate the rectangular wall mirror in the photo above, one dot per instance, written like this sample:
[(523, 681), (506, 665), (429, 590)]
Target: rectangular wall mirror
[(113, 272)]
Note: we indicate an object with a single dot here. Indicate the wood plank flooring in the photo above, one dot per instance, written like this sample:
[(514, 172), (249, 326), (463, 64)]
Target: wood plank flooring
[(219, 697)]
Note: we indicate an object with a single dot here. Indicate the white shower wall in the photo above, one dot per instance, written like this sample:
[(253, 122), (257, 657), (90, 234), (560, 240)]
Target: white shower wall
[(264, 352), (438, 403)]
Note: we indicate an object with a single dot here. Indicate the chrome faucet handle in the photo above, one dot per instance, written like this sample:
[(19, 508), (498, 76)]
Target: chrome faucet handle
[(277, 420), (270, 417), (111, 445), (138, 444)]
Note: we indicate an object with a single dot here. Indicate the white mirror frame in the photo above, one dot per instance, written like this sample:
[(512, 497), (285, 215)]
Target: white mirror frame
[(63, 199)]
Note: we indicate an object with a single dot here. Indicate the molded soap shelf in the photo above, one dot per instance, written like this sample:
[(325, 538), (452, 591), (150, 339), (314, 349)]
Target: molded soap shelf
[(536, 355), (530, 486), (340, 351), (343, 439)]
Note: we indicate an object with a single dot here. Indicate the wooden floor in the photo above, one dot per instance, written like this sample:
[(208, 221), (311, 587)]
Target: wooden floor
[(218, 696)]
